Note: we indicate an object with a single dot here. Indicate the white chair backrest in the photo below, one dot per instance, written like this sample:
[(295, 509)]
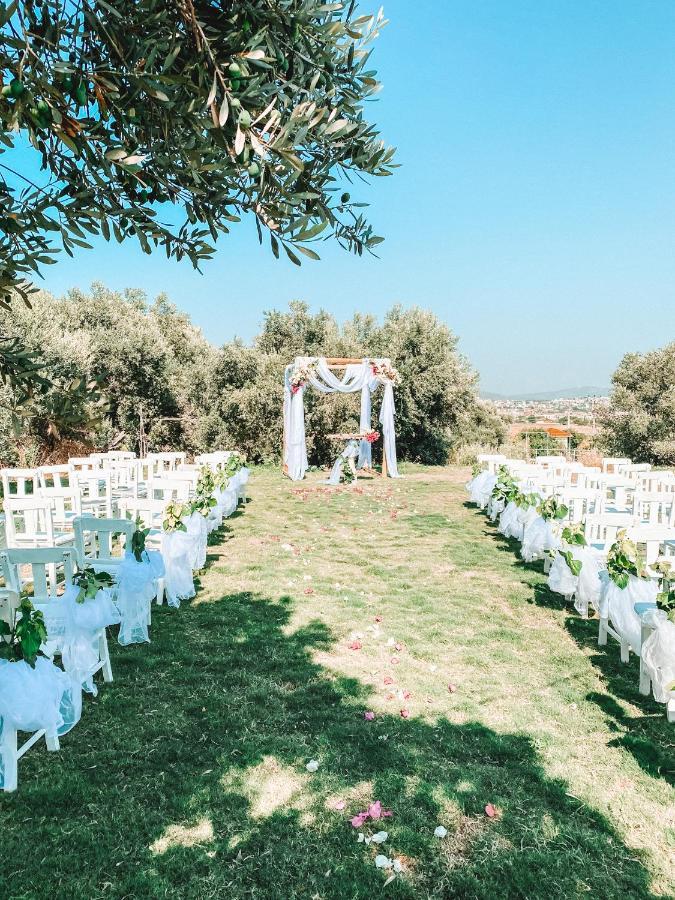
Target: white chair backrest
[(95, 489), (113, 454), (164, 462), (167, 489), (54, 476), (650, 538), (95, 544), (19, 482), (37, 567), (655, 508), (29, 521), (84, 463), (151, 512), (603, 529), (220, 456), (611, 464)]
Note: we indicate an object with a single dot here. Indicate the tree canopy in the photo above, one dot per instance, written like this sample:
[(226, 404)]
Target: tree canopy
[(640, 420), (166, 121), (161, 384)]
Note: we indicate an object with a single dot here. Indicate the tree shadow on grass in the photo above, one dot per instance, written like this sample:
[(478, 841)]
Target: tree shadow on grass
[(186, 778), (648, 737)]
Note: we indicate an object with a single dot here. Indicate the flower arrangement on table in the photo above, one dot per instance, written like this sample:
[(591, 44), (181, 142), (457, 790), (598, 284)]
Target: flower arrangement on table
[(301, 374), (370, 436), (384, 371)]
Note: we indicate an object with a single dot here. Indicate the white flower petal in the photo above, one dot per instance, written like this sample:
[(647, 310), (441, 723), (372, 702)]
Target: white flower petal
[(441, 832), (312, 765), (383, 862), (380, 837), (398, 865)]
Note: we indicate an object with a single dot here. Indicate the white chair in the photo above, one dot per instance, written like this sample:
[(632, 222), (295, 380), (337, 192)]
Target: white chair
[(601, 530), (10, 751), (164, 462), (84, 463), (95, 489), (39, 569), (151, 514), (94, 545), (19, 482), (173, 488), (657, 508), (611, 464), (29, 522)]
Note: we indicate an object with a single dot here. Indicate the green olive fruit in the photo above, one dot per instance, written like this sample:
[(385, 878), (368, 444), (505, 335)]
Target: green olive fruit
[(81, 94), (6, 90), (16, 88), (235, 102), (67, 83), (236, 84), (234, 69), (254, 169), (344, 198), (245, 118)]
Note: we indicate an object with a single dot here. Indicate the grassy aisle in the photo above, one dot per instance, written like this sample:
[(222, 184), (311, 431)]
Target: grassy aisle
[(187, 777)]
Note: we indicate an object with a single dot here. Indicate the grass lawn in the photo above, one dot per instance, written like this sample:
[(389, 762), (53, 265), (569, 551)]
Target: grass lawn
[(187, 777)]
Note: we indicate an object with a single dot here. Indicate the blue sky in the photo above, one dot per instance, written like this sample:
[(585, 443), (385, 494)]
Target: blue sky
[(534, 211)]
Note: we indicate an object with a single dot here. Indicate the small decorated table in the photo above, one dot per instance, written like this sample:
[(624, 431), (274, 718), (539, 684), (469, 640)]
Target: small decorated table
[(349, 455)]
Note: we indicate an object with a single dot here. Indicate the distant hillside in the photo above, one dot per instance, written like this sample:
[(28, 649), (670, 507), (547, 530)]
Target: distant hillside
[(550, 395)]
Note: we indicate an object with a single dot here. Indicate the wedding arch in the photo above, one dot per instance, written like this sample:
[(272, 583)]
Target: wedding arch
[(364, 375)]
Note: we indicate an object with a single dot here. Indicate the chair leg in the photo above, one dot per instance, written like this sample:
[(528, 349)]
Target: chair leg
[(52, 742), (625, 651), (10, 760), (160, 591), (104, 655), (645, 680), (670, 711), (602, 633)]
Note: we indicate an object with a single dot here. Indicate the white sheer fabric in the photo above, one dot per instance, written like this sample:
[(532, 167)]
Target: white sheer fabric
[(540, 535), (45, 697), (356, 377), (480, 488), (351, 451), (135, 591), (509, 525), (178, 550), (617, 604), (658, 657)]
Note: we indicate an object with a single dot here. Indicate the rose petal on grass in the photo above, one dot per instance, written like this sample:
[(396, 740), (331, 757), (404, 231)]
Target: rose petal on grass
[(369, 716), (355, 645), (388, 679), (452, 688), (440, 832), (358, 820), (405, 713), (394, 661), (490, 811), (374, 810), (383, 862), (312, 765), (309, 591), (380, 837), (378, 618), (407, 695)]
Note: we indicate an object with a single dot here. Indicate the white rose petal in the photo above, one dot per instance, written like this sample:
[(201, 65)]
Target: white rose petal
[(380, 837), (441, 832), (383, 862), (312, 765), (398, 865)]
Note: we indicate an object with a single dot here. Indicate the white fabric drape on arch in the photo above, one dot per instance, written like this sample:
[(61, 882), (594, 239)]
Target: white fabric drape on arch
[(357, 377)]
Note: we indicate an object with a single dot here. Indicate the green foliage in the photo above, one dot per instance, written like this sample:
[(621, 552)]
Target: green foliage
[(23, 639), (506, 488), (665, 600), (552, 509), (640, 420), (437, 407), (624, 560), (525, 501), (174, 514), (574, 565), (166, 123), (574, 534), (138, 540), (90, 583)]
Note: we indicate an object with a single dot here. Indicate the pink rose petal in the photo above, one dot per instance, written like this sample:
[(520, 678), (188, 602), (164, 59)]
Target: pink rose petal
[(452, 688), (355, 645), (378, 618), (388, 679), (407, 695), (490, 811), (405, 713), (358, 821), (369, 716), (375, 810), (394, 661), (339, 804)]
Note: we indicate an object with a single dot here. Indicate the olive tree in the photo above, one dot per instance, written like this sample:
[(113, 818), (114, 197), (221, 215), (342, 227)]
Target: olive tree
[(640, 419)]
